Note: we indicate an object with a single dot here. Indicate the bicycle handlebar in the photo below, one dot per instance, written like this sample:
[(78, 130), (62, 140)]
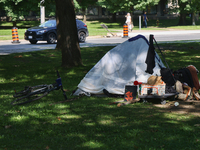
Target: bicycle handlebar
[(58, 75), (32, 93), (59, 82)]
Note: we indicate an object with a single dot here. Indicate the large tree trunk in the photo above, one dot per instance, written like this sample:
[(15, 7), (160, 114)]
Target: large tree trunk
[(67, 38)]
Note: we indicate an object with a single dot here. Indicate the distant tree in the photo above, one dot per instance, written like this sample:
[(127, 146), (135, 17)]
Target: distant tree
[(50, 8), (67, 38), (83, 5), (115, 6), (183, 13), (185, 8), (17, 9), (193, 7)]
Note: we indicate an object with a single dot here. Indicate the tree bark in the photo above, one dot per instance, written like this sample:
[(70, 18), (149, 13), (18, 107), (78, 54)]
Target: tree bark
[(67, 37)]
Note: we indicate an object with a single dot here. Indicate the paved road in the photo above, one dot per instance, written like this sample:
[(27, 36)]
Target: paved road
[(6, 47)]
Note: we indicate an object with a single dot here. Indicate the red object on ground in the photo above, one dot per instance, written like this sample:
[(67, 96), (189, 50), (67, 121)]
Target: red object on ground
[(137, 83)]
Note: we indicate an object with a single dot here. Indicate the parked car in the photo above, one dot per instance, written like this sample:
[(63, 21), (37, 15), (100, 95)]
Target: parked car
[(48, 32)]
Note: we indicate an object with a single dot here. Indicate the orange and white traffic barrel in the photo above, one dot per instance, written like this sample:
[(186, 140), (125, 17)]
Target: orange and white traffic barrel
[(125, 30), (15, 36)]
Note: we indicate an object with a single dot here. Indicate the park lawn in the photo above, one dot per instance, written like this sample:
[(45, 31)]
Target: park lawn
[(196, 27), (88, 122), (6, 34)]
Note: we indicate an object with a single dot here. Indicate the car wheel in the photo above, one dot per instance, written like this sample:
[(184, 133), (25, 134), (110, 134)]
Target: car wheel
[(81, 36), (51, 38), (33, 41)]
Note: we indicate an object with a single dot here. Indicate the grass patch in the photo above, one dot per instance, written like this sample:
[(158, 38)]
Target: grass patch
[(89, 122), (20, 23), (6, 34)]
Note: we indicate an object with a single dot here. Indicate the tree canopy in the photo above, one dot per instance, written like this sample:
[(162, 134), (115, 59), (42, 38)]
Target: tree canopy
[(187, 7), (17, 9), (126, 5), (83, 5), (115, 6)]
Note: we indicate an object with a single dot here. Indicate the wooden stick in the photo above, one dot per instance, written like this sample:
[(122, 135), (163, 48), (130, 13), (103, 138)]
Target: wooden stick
[(128, 102)]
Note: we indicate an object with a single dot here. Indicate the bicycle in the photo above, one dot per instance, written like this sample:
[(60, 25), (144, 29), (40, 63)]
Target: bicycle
[(33, 93)]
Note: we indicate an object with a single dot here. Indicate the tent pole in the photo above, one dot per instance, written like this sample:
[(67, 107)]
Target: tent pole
[(164, 59), (161, 53)]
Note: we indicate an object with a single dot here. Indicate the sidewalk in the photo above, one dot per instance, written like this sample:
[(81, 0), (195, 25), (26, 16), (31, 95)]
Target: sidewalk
[(159, 32), (148, 32)]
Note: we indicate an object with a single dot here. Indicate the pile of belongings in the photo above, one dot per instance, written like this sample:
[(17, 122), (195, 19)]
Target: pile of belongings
[(185, 82), (154, 86), (126, 63)]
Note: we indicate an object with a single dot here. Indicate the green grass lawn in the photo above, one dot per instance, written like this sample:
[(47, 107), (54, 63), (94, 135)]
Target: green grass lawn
[(6, 34), (88, 122)]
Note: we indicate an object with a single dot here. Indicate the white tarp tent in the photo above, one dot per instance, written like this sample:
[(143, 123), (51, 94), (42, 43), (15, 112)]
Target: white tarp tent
[(121, 66)]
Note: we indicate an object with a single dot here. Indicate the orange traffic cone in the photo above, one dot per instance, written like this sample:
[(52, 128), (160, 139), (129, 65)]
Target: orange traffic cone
[(125, 31), (15, 35)]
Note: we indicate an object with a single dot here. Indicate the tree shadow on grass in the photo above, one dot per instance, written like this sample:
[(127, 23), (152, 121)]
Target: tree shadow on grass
[(91, 123)]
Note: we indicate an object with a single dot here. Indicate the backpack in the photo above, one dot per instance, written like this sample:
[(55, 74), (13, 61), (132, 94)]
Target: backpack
[(184, 76), (167, 76)]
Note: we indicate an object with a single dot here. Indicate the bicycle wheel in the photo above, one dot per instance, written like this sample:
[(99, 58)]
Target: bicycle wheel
[(28, 98), (24, 92), (28, 89), (35, 93)]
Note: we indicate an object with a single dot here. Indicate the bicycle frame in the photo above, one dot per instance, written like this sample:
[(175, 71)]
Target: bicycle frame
[(41, 89)]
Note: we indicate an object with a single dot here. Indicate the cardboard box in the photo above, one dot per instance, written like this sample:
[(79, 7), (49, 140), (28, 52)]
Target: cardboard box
[(146, 89)]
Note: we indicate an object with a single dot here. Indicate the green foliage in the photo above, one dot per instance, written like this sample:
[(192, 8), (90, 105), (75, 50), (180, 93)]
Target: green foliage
[(126, 5), (83, 4), (76, 5), (142, 4), (116, 5), (18, 9), (188, 6), (50, 8)]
